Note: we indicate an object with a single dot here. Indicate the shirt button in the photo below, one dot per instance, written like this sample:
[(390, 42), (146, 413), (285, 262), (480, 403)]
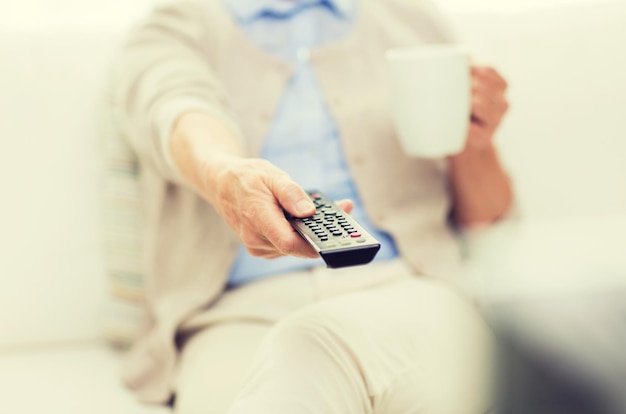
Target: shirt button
[(303, 54)]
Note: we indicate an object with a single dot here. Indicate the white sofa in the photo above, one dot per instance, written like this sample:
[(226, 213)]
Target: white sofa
[(564, 142)]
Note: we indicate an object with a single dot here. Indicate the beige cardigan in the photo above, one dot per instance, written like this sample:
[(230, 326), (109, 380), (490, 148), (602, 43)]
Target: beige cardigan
[(192, 56)]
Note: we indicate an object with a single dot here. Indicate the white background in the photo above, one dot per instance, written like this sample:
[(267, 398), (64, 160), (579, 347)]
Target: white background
[(41, 13)]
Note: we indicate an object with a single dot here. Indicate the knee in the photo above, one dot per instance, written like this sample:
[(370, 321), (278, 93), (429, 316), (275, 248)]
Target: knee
[(303, 362), (308, 334), (317, 342)]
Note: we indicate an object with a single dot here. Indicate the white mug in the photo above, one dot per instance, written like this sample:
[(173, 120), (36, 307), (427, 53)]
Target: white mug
[(430, 98)]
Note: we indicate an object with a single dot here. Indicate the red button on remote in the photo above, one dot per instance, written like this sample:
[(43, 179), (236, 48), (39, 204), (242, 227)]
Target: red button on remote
[(355, 235)]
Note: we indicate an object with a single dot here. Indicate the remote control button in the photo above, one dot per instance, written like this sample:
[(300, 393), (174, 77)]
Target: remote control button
[(330, 228)]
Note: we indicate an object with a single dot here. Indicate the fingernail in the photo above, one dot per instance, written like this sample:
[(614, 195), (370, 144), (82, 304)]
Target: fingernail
[(304, 206)]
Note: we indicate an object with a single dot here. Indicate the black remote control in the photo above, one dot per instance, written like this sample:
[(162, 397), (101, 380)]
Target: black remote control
[(336, 236)]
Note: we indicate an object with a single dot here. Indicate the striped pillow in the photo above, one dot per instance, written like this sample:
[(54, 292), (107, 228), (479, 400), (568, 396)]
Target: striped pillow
[(125, 316)]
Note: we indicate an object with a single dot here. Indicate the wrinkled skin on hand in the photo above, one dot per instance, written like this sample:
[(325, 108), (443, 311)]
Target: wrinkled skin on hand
[(489, 105), (250, 195)]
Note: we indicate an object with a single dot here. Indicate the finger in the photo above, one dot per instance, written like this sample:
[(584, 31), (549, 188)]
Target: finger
[(278, 242), (479, 136), (253, 240), (281, 235), (497, 98), (489, 110), (483, 111), (346, 205), (290, 196), (265, 254), (490, 76), (294, 245), (487, 91), (303, 249)]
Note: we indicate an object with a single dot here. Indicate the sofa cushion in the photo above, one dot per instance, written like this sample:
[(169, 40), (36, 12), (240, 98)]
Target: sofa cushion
[(73, 379)]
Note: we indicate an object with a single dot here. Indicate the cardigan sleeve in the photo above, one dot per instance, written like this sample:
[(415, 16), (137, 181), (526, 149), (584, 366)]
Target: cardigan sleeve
[(162, 71)]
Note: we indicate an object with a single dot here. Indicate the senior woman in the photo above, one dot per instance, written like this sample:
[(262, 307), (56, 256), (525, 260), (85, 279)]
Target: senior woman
[(233, 107)]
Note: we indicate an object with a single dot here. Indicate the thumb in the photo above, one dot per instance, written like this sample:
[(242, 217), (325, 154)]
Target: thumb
[(291, 196)]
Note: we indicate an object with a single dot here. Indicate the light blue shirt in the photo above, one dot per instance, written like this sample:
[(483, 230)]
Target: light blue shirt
[(303, 139)]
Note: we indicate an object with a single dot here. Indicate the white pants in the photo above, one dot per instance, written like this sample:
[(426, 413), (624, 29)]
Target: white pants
[(373, 339)]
